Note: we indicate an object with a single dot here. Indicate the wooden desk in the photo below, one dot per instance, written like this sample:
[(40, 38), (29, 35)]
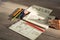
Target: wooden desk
[(7, 34)]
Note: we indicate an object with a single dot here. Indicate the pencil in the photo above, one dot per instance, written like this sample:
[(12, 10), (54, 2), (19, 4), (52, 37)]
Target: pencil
[(16, 15)]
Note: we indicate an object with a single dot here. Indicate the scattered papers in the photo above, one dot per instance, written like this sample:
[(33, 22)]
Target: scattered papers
[(33, 24)]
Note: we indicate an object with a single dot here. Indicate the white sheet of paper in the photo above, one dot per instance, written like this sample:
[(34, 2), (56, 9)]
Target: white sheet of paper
[(25, 30), (39, 12)]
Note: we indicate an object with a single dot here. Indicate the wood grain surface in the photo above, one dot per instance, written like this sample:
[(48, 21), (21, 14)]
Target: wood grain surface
[(7, 34)]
